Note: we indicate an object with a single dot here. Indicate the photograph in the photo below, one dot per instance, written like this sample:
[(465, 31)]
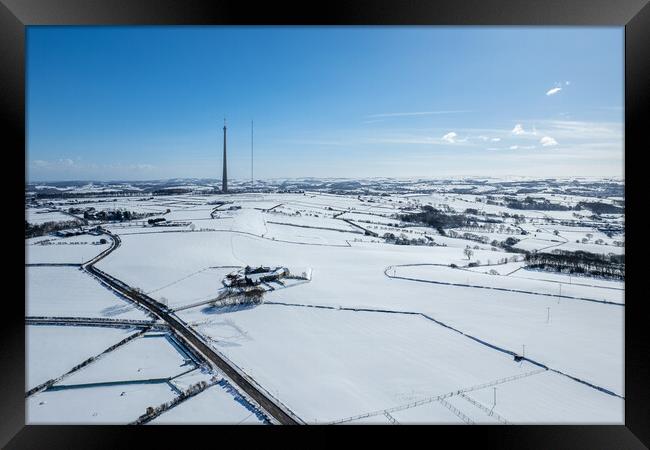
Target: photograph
[(324, 225)]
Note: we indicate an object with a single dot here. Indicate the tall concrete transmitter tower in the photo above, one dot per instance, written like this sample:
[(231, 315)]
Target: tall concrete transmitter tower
[(224, 180)]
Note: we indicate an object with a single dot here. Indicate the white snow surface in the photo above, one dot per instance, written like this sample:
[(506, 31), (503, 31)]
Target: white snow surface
[(70, 250), (97, 405), (360, 361), (143, 358), (321, 359), (589, 334), (53, 291), (215, 406), (51, 351)]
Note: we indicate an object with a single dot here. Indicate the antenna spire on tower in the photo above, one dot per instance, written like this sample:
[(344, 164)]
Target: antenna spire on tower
[(224, 179)]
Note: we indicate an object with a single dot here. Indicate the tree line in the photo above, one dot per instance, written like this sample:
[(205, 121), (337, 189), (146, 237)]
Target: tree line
[(611, 266), (437, 219), (41, 229)]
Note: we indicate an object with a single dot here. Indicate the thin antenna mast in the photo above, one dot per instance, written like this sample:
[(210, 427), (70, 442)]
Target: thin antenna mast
[(224, 178), (252, 154)]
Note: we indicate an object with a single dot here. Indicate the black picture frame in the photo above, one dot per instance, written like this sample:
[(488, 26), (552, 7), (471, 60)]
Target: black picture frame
[(634, 15)]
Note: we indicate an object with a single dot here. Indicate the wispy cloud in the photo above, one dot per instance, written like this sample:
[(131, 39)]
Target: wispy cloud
[(40, 163), (557, 88), (417, 113), (324, 142), (450, 137), (60, 163), (584, 130), (71, 166), (402, 139), (547, 141), (610, 108), (519, 130)]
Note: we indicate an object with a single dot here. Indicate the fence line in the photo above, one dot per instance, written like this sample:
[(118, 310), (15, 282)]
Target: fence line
[(438, 397)]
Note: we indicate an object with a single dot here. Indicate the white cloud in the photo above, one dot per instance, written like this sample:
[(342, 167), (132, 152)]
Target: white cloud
[(518, 130), (495, 139), (567, 83), (522, 147), (553, 91), (547, 141), (514, 147), (450, 137)]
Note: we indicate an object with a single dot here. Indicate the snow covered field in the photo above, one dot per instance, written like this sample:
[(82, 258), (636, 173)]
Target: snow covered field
[(144, 358), (69, 292), (364, 361), (52, 351), (57, 250), (507, 319), (546, 286), (39, 216), (213, 406), (97, 405), (195, 287), (377, 327)]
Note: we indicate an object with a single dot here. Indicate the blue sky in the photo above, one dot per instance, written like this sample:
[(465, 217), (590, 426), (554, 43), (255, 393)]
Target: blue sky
[(138, 103)]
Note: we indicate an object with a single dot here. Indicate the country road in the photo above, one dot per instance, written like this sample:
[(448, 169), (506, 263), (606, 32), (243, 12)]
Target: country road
[(190, 337), (94, 322)]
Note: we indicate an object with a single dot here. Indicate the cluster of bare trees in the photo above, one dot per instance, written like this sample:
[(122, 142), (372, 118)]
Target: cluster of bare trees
[(34, 230), (403, 239), (119, 215), (153, 412), (610, 266), (438, 219), (538, 204)]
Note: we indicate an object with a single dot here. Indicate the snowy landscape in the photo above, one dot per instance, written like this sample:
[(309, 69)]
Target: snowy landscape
[(326, 301)]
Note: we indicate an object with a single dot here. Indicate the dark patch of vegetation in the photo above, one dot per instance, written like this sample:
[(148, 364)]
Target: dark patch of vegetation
[(32, 230), (610, 266), (540, 204), (509, 245), (116, 215), (435, 218), (172, 191), (602, 208), (402, 239)]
